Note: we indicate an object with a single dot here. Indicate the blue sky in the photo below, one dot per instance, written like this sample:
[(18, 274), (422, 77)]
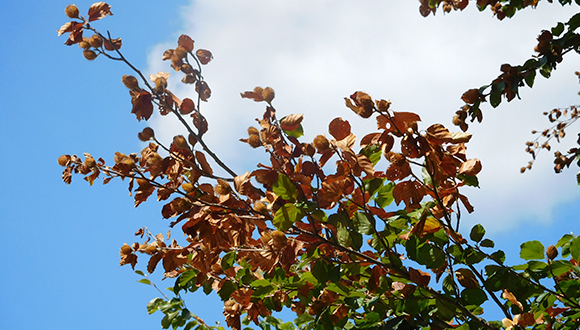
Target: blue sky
[(60, 246)]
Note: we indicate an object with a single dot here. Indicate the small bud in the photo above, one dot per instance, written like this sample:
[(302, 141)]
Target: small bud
[(255, 141), (253, 131), (72, 11), (223, 187), (126, 249), (130, 82), (160, 84), (90, 55), (180, 205), (84, 44), (151, 249), (321, 143), (552, 252), (279, 240), (268, 94), (260, 207), (180, 143), (63, 160), (146, 134), (188, 187), (96, 41)]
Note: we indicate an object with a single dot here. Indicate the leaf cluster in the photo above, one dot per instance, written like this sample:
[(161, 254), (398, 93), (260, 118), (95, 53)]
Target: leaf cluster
[(347, 233)]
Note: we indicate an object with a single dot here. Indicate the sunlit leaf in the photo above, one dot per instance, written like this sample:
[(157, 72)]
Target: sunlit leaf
[(532, 250)]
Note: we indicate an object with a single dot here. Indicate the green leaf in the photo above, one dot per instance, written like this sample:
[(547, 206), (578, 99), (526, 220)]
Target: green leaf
[(321, 270), (498, 256), (496, 92), (144, 281), (228, 260), (385, 195), (284, 188), (298, 132), (575, 248), (532, 250), (487, 243), (574, 22), (537, 266), (139, 272), (529, 79), (373, 153), (227, 289), (153, 305), (186, 277), (558, 29), (559, 267), (470, 180), (474, 296), (286, 216), (477, 233), (362, 223)]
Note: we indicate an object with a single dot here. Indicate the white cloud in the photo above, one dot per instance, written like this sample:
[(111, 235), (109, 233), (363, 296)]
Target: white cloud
[(315, 53)]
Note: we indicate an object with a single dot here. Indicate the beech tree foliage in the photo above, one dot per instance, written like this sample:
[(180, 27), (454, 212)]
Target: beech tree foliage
[(346, 232)]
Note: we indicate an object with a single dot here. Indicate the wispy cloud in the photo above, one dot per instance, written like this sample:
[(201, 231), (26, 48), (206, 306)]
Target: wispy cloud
[(315, 53)]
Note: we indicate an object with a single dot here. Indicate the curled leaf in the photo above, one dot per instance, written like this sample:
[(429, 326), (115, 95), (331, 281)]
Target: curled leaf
[(204, 56), (291, 122), (99, 10), (470, 167), (142, 105), (113, 44)]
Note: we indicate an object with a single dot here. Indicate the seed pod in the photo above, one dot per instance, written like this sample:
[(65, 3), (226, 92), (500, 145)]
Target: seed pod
[(321, 143), (90, 55), (151, 249), (160, 84), (130, 82), (180, 205), (180, 142), (268, 94), (253, 131), (146, 134), (84, 44), (279, 240), (188, 187), (552, 252), (255, 141), (126, 249), (63, 160), (96, 41), (72, 11), (260, 207)]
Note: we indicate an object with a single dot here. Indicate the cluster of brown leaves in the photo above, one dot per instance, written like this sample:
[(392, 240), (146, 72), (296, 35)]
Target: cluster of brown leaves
[(498, 7), (560, 119), (221, 216), (96, 44)]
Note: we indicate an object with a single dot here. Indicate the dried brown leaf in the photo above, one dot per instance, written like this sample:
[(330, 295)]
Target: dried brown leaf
[(99, 10), (339, 128)]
